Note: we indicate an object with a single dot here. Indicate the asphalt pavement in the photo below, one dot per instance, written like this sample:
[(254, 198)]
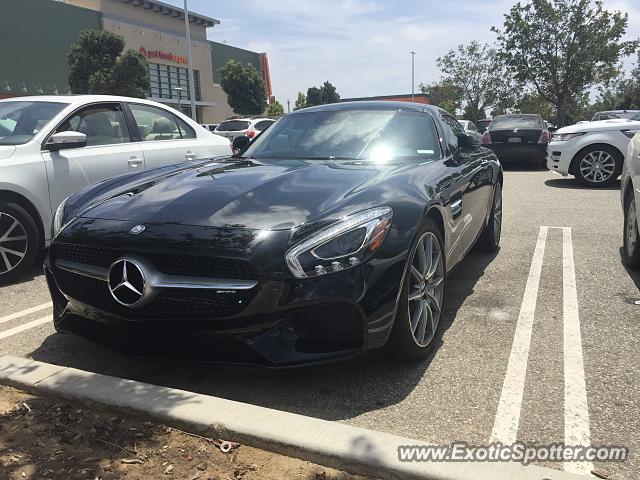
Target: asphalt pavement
[(540, 341)]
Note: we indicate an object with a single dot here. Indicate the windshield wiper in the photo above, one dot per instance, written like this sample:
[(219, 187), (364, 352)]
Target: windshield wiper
[(329, 157)]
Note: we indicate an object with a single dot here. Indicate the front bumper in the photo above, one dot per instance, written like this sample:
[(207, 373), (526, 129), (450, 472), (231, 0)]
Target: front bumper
[(510, 152), (281, 322), (559, 157)]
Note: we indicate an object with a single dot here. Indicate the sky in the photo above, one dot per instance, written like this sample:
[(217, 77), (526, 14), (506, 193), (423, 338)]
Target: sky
[(361, 46)]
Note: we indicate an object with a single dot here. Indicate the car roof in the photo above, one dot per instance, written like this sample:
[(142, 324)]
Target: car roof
[(618, 111), (78, 99), (370, 105)]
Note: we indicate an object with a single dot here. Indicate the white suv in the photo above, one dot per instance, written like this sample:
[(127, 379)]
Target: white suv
[(592, 151), (238, 127), (630, 196), (51, 146)]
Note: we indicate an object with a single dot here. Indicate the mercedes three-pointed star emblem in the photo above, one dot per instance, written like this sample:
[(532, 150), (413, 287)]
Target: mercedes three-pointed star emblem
[(127, 282)]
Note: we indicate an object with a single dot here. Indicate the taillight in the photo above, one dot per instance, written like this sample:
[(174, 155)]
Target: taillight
[(251, 133), (544, 137), (486, 138)]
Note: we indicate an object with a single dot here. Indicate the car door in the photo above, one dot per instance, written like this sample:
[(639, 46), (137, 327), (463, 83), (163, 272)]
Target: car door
[(109, 151), (164, 137), (473, 193)]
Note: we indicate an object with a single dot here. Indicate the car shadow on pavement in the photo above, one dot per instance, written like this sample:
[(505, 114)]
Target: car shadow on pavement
[(573, 184), (331, 392), (635, 276)]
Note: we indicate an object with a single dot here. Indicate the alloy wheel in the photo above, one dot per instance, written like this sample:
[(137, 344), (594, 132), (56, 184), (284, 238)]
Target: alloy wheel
[(497, 214), (426, 289), (13, 242), (597, 166), (631, 235)]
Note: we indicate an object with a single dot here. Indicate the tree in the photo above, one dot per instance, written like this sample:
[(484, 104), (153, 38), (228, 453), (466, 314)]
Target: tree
[(534, 103), (98, 64), (472, 70), (314, 96), (444, 95), (321, 96), (275, 109), (563, 47), (301, 101), (244, 88)]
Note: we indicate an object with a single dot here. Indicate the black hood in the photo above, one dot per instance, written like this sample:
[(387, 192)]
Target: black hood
[(267, 196)]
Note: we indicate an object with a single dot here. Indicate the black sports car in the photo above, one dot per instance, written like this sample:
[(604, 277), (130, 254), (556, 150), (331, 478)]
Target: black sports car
[(330, 236)]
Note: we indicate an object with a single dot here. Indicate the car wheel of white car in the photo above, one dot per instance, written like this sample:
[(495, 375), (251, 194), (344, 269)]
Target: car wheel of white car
[(19, 242), (598, 166), (631, 250)]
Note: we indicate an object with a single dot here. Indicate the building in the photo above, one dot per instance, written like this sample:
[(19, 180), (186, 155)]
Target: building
[(417, 98), (39, 34)]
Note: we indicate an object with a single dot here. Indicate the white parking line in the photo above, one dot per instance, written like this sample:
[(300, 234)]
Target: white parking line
[(26, 326), (576, 410), (28, 311), (505, 427)]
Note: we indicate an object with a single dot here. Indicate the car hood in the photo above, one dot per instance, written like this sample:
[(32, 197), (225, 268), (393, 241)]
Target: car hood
[(601, 125), (247, 194), (6, 151)]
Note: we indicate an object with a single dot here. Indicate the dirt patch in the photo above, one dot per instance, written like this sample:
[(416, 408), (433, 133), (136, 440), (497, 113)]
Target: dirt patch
[(45, 439)]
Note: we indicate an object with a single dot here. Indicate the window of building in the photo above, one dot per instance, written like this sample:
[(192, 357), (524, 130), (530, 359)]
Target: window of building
[(166, 80)]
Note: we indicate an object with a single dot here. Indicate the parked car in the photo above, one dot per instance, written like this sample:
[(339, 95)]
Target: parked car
[(519, 137), (239, 127), (592, 151), (483, 124), (330, 236), (210, 126), (470, 128), (630, 196), (610, 114), (51, 146)]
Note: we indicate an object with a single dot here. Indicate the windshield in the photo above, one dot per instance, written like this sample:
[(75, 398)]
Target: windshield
[(630, 114), (636, 117), (233, 126), (20, 121), (376, 135), (516, 121)]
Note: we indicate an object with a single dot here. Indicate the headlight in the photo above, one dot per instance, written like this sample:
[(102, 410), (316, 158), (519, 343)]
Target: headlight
[(630, 133), (563, 137), (343, 244), (58, 218)]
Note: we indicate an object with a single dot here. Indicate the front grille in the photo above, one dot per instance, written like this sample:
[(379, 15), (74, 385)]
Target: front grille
[(170, 304), (329, 322), (170, 264)]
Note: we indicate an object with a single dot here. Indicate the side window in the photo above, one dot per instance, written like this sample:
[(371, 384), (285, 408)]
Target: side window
[(185, 129), (451, 130), (154, 123), (263, 125), (102, 124)]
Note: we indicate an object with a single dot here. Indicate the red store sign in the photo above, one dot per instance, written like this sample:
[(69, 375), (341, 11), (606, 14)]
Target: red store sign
[(169, 57)]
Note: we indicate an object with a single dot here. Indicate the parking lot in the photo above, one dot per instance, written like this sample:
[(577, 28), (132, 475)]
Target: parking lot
[(560, 249)]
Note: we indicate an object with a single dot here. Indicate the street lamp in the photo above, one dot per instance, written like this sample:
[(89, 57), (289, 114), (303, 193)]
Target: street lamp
[(179, 90), (192, 91), (413, 56)]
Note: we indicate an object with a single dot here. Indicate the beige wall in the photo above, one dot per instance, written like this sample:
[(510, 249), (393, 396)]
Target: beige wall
[(222, 110)]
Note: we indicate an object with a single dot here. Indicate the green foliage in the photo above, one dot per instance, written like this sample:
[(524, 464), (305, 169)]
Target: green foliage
[(444, 95), (244, 88), (301, 101), (98, 65), (321, 96), (534, 103), (563, 47), (275, 109), (473, 71)]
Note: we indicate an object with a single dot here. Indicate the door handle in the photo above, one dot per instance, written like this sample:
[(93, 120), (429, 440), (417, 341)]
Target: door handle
[(135, 162), (190, 155), (456, 208)]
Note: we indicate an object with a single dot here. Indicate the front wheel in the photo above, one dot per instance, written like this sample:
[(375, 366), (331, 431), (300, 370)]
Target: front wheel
[(631, 248), (417, 321), (598, 166), (19, 242)]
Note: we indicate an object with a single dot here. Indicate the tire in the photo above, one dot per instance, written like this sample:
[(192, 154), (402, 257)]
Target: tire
[(631, 237), (598, 166), (489, 240), (19, 242), (413, 337)]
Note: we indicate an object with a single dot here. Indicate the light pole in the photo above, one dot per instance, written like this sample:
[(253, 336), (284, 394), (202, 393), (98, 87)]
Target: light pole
[(288, 105), (192, 92), (179, 90), (413, 56)]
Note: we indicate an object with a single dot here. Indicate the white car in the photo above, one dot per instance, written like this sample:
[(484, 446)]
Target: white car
[(630, 196), (470, 128), (593, 151), (51, 146), (243, 127)]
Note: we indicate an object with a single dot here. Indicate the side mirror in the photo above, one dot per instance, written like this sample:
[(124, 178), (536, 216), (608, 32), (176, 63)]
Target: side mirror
[(552, 128), (63, 140), (240, 144), (467, 141)]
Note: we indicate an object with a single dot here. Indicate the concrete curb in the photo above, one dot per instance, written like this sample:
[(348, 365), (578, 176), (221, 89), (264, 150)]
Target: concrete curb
[(355, 450)]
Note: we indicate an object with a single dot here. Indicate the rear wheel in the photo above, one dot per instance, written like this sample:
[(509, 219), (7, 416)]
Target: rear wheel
[(631, 248), (417, 321), (19, 242), (598, 166), (489, 240)]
